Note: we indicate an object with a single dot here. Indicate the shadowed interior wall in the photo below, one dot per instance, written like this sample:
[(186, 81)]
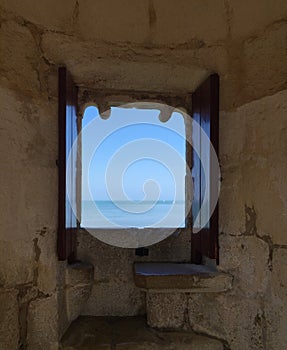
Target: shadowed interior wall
[(155, 45)]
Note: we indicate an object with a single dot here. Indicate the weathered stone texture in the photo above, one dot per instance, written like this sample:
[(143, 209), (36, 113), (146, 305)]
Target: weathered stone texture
[(247, 259), (247, 19), (46, 267), (276, 302), (110, 16), (183, 23), (9, 325), (253, 160), (166, 310), (79, 282), (42, 327), (259, 52), (236, 319), (19, 57), (190, 50), (16, 271), (114, 292), (54, 15), (251, 315), (130, 333), (104, 65), (182, 278), (167, 46)]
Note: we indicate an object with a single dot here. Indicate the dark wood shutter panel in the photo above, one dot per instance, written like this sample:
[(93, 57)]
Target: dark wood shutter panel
[(68, 131), (205, 111)]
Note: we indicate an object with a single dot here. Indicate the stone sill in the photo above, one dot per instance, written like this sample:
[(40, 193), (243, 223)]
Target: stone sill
[(177, 276)]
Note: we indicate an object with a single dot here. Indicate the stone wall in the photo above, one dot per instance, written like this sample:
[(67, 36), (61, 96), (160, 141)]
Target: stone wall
[(157, 45), (252, 240)]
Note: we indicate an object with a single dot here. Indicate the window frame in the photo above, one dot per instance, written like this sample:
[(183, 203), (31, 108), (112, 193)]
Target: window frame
[(109, 98), (99, 98)]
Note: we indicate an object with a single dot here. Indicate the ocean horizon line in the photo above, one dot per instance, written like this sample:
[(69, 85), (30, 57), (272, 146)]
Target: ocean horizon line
[(135, 200)]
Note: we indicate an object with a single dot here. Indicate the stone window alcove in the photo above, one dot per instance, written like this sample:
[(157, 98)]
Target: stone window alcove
[(202, 105), (151, 277)]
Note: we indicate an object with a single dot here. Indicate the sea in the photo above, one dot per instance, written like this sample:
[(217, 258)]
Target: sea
[(133, 214)]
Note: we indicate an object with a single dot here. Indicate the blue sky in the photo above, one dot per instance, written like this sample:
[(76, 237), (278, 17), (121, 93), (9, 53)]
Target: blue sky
[(135, 148)]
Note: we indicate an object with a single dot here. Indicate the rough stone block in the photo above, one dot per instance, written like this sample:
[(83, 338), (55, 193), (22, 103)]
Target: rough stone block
[(166, 310), (253, 164), (79, 273), (236, 319), (247, 259)]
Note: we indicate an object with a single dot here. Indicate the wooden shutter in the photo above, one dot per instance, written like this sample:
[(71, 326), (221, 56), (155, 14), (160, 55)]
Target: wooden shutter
[(68, 131), (205, 111)]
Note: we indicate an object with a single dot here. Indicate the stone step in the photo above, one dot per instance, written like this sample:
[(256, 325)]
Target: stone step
[(130, 333)]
